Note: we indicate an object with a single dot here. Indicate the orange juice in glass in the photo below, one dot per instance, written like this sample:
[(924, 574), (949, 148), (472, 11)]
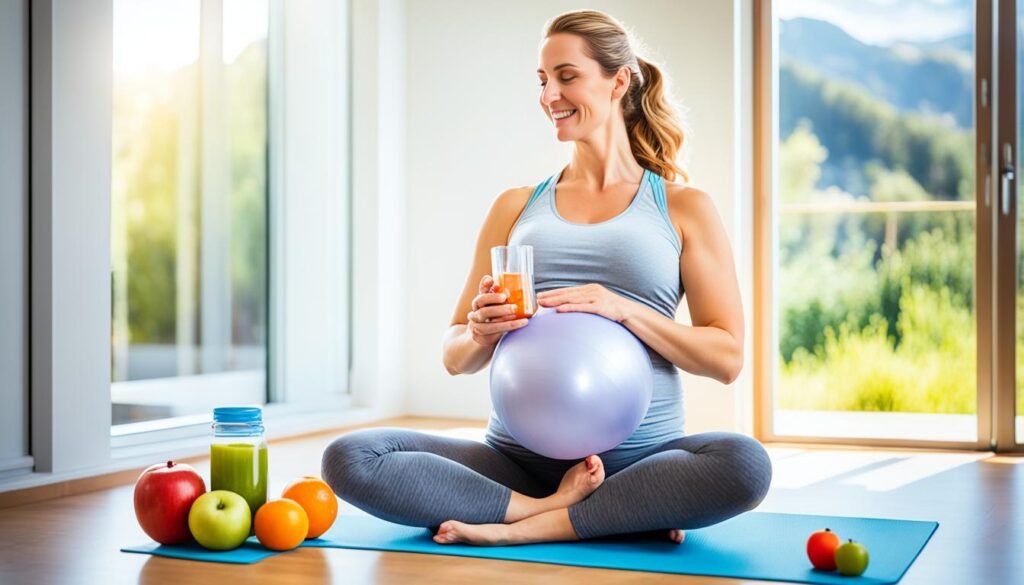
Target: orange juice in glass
[(512, 270)]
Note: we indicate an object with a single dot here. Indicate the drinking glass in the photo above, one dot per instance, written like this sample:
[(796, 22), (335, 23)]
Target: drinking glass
[(512, 271)]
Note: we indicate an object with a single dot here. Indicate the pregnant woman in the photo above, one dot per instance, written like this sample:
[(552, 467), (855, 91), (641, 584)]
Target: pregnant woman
[(613, 235)]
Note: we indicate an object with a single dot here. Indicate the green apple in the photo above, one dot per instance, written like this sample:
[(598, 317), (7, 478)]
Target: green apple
[(851, 559), (220, 520)]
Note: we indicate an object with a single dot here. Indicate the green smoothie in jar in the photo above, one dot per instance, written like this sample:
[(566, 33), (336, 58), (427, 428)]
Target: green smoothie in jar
[(238, 454)]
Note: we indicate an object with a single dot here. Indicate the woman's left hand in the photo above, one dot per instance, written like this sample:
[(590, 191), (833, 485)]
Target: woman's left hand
[(589, 298)]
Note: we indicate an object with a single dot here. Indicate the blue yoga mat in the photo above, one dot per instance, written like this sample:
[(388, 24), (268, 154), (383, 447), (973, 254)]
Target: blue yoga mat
[(250, 552), (756, 545)]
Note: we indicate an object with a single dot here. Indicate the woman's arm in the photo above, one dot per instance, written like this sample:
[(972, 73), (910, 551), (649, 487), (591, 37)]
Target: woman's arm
[(462, 353), (713, 345)]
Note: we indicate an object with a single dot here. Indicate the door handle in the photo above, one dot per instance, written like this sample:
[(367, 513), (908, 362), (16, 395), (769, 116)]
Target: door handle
[(1006, 178)]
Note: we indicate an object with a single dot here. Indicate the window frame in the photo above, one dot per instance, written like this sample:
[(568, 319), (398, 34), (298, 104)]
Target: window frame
[(14, 234)]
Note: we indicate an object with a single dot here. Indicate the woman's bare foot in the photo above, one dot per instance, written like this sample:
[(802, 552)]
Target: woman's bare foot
[(550, 526), (453, 531), (676, 535), (580, 481)]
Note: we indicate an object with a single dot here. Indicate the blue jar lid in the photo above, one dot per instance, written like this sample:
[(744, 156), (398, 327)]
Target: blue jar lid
[(237, 414)]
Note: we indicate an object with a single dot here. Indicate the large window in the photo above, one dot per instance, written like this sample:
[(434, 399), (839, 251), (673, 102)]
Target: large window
[(187, 248), (189, 208), (884, 320), (875, 220)]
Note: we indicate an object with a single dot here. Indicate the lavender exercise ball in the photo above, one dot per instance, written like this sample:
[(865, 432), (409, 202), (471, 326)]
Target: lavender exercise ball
[(570, 384)]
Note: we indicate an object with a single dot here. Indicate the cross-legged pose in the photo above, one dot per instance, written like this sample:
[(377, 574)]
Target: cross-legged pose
[(614, 234)]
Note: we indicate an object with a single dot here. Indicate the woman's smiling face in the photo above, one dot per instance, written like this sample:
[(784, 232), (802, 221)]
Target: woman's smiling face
[(575, 95)]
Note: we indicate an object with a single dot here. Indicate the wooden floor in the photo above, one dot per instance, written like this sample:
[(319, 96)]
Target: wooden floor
[(978, 499)]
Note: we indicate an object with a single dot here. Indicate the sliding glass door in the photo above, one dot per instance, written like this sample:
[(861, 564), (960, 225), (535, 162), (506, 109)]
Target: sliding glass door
[(887, 215)]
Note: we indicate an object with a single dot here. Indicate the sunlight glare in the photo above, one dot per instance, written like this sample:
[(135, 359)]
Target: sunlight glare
[(914, 468), (800, 471), (245, 22), (154, 34)]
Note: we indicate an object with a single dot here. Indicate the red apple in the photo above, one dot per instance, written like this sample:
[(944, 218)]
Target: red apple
[(163, 497), (821, 549)]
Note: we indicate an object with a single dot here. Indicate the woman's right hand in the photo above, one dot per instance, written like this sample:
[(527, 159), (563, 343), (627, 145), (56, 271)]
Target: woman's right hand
[(491, 317)]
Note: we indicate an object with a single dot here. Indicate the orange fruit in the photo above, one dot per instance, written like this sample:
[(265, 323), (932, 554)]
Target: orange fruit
[(281, 524), (317, 499)]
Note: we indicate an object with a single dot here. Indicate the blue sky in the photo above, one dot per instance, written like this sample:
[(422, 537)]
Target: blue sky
[(882, 22)]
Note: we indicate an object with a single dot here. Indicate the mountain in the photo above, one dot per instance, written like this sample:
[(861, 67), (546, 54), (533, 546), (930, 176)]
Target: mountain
[(961, 43), (858, 128), (932, 78)]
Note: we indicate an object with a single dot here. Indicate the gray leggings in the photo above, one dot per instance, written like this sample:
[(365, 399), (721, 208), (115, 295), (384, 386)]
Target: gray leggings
[(417, 479)]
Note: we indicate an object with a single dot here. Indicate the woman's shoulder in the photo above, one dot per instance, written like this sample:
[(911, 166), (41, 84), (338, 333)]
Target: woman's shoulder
[(506, 209), (688, 207), (514, 195), (680, 194), (511, 201), (687, 201)]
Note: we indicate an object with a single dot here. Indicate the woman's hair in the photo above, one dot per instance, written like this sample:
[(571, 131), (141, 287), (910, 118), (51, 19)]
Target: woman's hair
[(655, 132)]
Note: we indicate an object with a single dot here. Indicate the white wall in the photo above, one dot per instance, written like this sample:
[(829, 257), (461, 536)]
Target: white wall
[(474, 128)]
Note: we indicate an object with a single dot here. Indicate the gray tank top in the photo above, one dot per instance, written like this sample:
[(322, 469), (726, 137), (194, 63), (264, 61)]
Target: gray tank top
[(634, 254)]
